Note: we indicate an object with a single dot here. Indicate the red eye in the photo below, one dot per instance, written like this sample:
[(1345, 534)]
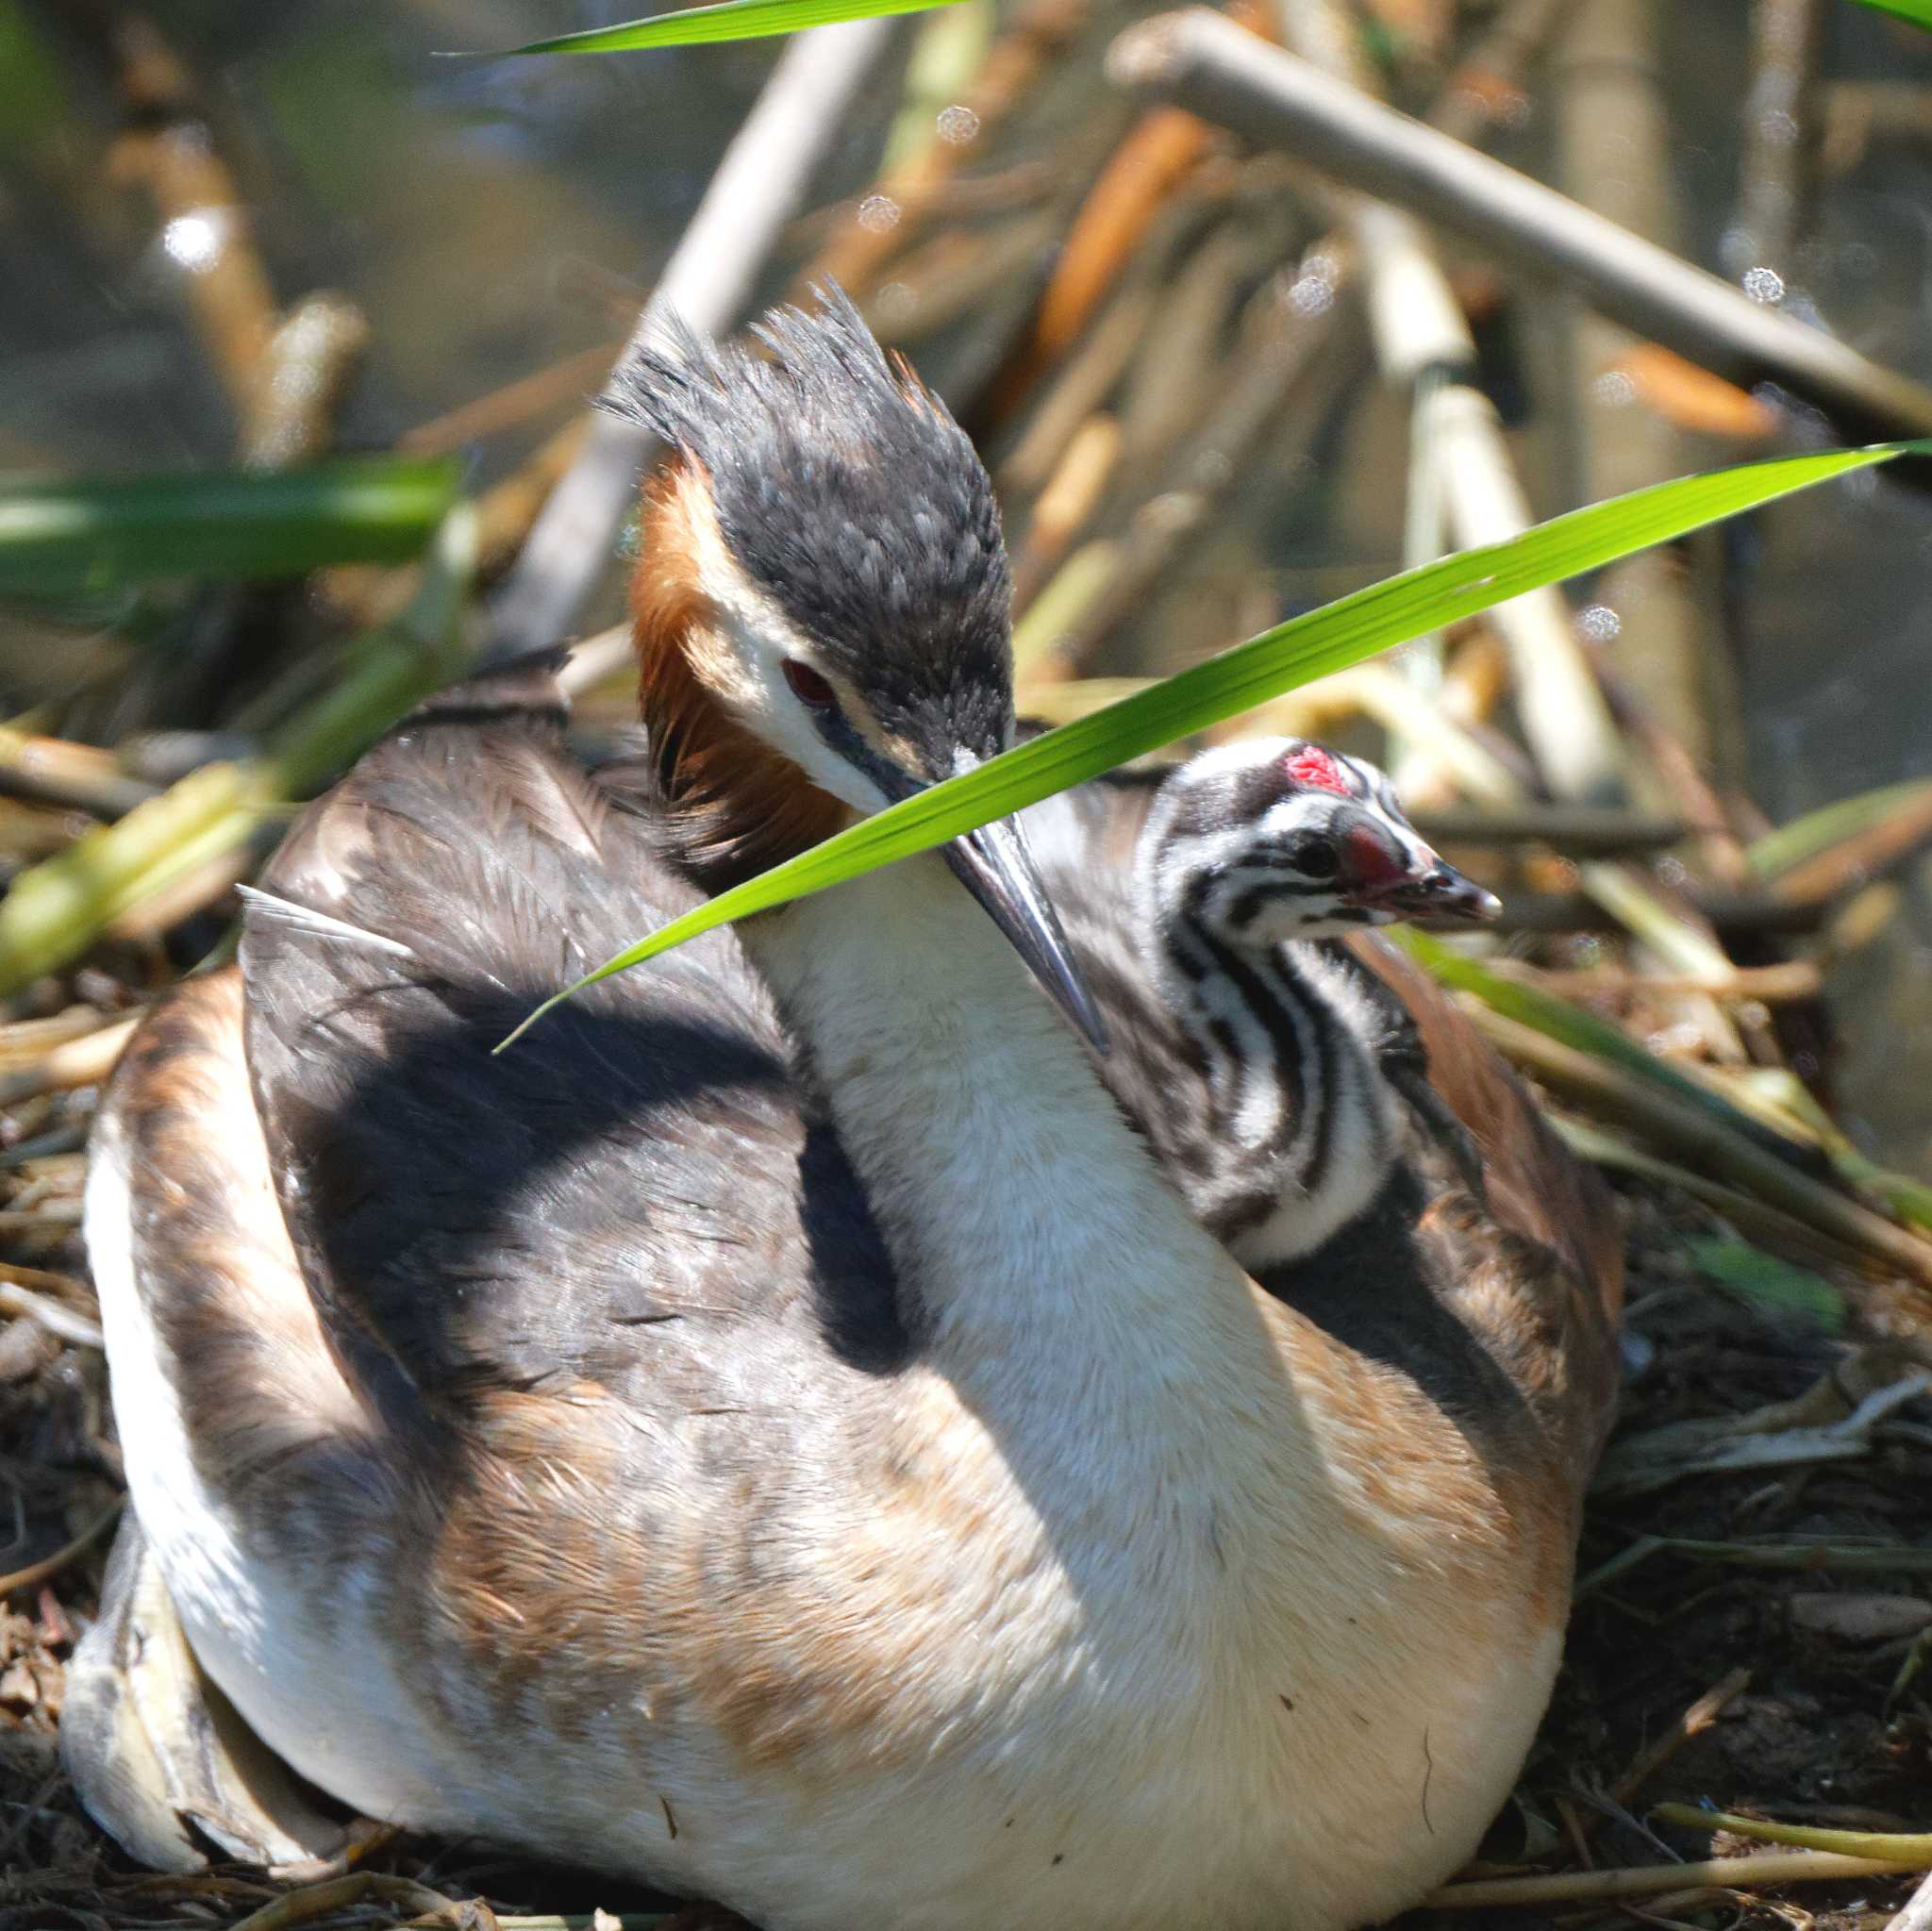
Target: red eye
[(809, 689)]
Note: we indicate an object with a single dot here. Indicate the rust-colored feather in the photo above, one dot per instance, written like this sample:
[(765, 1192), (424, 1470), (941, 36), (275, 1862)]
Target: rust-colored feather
[(733, 804)]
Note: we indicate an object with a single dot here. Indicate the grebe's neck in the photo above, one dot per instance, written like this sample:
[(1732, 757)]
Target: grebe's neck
[(1044, 1260), (1296, 1103)]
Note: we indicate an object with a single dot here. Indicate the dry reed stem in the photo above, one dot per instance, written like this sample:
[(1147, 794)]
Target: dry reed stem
[(51, 1566), (1012, 64), (86, 1060), (514, 403), (1697, 1719), (1693, 1136), (363, 1886), (1647, 1880), (49, 1313), (204, 216)]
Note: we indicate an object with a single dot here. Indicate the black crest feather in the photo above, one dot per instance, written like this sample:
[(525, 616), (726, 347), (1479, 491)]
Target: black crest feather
[(849, 494)]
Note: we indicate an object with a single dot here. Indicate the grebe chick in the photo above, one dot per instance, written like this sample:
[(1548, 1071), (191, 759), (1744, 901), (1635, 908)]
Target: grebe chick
[(1254, 859)]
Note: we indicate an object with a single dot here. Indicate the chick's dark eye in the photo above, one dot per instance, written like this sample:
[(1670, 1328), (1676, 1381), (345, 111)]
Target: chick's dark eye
[(808, 687), (1316, 858)]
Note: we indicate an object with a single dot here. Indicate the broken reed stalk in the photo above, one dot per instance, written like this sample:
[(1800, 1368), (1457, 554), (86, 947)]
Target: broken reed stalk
[(1693, 1136), (50, 1566), (1199, 61), (514, 403), (1917, 1915), (170, 150), (1912, 1847), (302, 382), (1016, 59), (1783, 131), (51, 770), (1589, 831), (85, 1061), (1650, 1880), (1424, 349), (1615, 149), (1293, 366), (708, 282)]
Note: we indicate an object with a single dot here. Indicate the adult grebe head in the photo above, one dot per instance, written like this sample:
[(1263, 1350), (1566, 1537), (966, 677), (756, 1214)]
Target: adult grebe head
[(822, 608)]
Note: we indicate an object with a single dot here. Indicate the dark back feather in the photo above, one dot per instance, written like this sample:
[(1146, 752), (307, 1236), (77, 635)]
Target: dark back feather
[(643, 1157)]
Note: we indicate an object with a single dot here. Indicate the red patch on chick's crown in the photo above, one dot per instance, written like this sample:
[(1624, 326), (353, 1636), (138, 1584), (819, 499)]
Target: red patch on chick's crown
[(1317, 768)]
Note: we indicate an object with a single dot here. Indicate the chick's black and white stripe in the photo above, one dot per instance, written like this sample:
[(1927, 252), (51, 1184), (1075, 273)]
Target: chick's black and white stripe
[(1296, 1113)]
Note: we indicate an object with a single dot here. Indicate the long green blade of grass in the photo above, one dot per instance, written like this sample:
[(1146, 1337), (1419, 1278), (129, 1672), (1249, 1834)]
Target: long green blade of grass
[(1331, 639), (1917, 11), (728, 20), (61, 535)]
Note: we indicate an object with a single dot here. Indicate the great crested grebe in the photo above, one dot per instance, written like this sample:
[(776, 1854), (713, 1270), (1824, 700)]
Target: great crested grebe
[(776, 1432)]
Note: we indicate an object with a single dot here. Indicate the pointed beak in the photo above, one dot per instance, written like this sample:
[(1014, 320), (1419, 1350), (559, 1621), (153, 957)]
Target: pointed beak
[(1439, 892), (994, 865)]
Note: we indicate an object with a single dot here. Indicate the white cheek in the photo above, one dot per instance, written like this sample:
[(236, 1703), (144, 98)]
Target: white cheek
[(765, 706)]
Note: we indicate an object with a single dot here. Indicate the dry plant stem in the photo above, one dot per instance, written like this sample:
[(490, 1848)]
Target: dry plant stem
[(50, 1314), (1696, 1720), (1689, 1134), (1648, 1880), (1860, 857), (305, 374), (1797, 978), (1719, 847), (1300, 363), (76, 1063), (707, 283), (569, 380), (1917, 1915), (506, 511), (1591, 831), (1082, 386), (1782, 136), (1145, 169), (955, 270), (1615, 148), (50, 771), (1857, 112), (1066, 506), (1198, 61), (1484, 89), (175, 158), (1565, 720), (315, 1901), (1904, 1847), (1725, 912), (597, 660), (1177, 368), (1423, 346), (1016, 60), (50, 1566)]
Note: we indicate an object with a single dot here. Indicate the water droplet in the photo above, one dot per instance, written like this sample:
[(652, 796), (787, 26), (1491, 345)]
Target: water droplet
[(1614, 389), (1599, 623), (193, 242), (896, 304), (1763, 284), (956, 126), (878, 213)]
